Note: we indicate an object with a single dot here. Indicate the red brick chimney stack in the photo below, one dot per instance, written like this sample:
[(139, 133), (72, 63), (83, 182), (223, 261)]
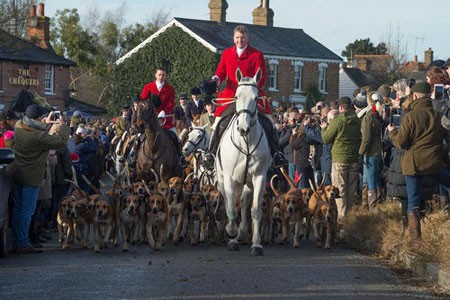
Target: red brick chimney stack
[(33, 11), (38, 27), (41, 10)]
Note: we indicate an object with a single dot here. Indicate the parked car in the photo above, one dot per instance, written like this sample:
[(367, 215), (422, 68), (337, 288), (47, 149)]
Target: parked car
[(6, 157)]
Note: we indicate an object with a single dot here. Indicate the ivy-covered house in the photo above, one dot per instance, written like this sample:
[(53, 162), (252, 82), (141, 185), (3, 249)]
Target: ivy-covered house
[(190, 50)]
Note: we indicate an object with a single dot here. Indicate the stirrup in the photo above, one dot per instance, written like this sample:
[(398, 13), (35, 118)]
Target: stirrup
[(280, 160)]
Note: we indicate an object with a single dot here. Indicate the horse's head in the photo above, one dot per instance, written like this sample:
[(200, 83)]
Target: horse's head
[(246, 101), (145, 115), (198, 139)]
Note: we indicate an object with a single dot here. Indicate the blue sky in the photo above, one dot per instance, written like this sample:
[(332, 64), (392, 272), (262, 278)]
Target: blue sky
[(335, 23)]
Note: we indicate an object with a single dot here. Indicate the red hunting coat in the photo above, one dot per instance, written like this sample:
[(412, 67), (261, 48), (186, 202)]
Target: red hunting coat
[(249, 62), (167, 96)]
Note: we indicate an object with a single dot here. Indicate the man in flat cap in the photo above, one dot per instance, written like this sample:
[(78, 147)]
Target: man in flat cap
[(344, 133), (421, 135), (27, 172)]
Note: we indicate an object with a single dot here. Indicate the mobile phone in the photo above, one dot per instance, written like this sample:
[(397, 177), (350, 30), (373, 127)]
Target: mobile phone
[(56, 115), (439, 92), (387, 111)]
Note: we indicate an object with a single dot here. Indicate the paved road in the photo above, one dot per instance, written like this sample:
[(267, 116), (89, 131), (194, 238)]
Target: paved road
[(200, 272)]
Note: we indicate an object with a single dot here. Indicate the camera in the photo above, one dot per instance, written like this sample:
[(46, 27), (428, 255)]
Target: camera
[(439, 92), (56, 115), (395, 117)]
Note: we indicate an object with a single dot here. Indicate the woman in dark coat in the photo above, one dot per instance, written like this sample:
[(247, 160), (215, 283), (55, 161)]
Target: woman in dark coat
[(86, 149), (300, 156)]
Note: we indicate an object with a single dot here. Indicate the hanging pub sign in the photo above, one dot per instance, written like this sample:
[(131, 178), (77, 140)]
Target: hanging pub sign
[(23, 78)]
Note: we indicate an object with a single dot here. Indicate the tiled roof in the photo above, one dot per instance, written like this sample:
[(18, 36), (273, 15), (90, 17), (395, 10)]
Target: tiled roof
[(272, 41), (269, 40), (13, 48), (359, 77)]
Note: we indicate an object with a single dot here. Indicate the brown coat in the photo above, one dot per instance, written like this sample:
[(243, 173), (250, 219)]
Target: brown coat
[(371, 135), (421, 135)]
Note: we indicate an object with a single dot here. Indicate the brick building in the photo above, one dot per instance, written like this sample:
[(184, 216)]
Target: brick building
[(295, 61), (29, 68)]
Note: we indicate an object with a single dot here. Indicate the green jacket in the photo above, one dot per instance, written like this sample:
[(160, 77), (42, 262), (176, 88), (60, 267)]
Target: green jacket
[(31, 146), (371, 135), (344, 133), (421, 135), (122, 125)]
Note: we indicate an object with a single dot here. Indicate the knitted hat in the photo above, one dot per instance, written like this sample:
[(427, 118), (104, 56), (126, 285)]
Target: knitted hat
[(77, 113), (34, 111), (421, 87)]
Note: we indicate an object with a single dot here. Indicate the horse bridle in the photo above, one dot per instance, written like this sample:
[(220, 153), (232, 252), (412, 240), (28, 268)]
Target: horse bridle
[(252, 114), (200, 140)]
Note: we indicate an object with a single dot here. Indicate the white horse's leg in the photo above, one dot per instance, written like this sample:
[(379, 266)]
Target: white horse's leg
[(231, 194), (258, 190), (245, 202)]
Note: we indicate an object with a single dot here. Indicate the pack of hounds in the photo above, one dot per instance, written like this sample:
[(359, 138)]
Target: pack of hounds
[(180, 209)]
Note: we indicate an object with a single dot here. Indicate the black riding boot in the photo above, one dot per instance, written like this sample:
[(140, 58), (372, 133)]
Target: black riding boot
[(279, 159), (177, 145)]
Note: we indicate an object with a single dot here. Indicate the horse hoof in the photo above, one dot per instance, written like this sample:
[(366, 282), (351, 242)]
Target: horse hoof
[(232, 237), (233, 246), (257, 251)]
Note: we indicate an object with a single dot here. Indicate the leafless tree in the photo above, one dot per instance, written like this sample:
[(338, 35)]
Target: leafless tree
[(13, 15)]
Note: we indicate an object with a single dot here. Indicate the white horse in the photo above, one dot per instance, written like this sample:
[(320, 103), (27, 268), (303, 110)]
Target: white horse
[(197, 144), (242, 161)]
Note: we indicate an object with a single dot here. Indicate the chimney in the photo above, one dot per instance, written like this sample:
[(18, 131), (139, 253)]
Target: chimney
[(218, 10), (38, 28), (41, 9), (33, 11), (428, 56), (263, 14), (415, 59)]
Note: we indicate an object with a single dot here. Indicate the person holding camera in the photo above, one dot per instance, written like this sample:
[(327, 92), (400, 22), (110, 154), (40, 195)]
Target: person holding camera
[(421, 135), (31, 148)]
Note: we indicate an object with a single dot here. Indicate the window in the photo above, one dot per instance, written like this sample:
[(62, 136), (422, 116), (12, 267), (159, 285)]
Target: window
[(273, 72), (323, 77), (49, 80), (298, 72)]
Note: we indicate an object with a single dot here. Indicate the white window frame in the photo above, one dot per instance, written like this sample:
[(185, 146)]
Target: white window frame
[(49, 80), (273, 76), (298, 76), (322, 80)]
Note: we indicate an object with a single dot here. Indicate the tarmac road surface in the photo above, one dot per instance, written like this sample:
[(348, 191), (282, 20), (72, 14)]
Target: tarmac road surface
[(200, 272)]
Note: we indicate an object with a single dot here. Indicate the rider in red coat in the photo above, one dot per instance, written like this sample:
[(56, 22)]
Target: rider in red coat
[(163, 97), (166, 94), (248, 60)]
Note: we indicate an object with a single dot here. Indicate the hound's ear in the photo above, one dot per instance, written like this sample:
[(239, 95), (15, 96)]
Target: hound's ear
[(238, 75), (258, 75)]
